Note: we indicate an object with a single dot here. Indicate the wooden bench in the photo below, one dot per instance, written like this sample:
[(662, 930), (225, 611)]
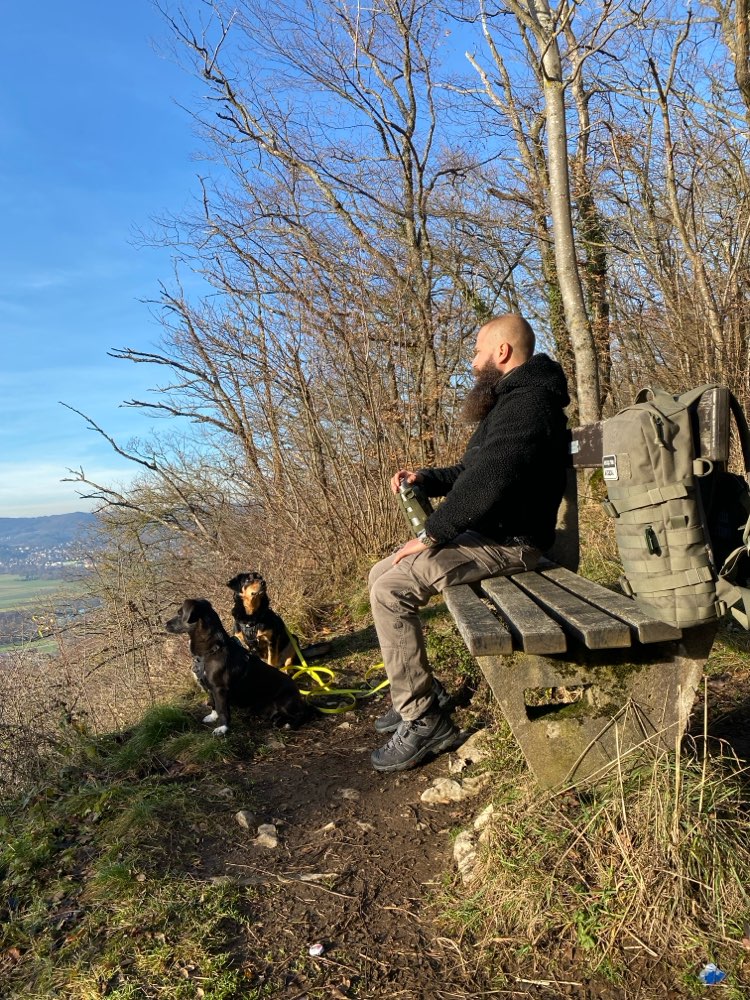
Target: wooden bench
[(581, 673)]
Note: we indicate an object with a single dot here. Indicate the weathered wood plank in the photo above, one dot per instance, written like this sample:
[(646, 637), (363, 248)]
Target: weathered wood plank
[(586, 446), (532, 627), (713, 431), (647, 628), (594, 627), (482, 632)]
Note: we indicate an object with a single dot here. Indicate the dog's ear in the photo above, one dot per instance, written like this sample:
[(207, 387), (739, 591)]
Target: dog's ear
[(190, 612), (234, 583)]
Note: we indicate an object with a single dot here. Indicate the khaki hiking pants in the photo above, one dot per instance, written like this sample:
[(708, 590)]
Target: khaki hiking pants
[(397, 592)]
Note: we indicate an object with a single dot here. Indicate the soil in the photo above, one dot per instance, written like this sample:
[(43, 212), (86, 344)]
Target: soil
[(361, 868)]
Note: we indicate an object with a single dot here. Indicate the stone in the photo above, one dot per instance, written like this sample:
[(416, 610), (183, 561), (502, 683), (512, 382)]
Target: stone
[(267, 836), (647, 688), (474, 784), (484, 818), (465, 856), (443, 790), (349, 793), (476, 748), (246, 819)]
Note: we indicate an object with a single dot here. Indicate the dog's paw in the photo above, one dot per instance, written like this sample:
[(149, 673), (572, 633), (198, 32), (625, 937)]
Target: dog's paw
[(220, 730), (212, 717)]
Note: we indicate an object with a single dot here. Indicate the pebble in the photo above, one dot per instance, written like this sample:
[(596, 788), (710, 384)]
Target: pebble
[(267, 836), (246, 819), (349, 793)]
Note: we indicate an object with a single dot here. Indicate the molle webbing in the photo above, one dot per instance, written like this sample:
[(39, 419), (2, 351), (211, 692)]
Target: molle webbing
[(629, 498), (667, 500)]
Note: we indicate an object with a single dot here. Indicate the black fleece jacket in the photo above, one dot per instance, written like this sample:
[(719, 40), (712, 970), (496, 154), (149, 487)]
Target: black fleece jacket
[(511, 478)]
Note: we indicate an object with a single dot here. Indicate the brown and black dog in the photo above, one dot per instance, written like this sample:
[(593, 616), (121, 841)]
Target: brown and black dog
[(262, 629), (231, 674)]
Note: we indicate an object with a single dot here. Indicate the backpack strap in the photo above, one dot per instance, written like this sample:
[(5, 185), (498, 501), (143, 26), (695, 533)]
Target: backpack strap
[(693, 395), (731, 586), (736, 600), (663, 401), (743, 432)]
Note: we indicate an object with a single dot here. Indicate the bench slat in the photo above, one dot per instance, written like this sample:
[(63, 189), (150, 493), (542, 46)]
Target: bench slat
[(482, 632), (596, 628), (535, 631), (648, 629)]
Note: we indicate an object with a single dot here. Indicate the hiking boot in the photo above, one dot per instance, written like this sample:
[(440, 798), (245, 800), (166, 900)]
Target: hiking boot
[(431, 733), (388, 723)]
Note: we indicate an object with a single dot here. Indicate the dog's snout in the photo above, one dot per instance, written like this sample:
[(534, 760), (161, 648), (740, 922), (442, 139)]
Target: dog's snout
[(175, 624)]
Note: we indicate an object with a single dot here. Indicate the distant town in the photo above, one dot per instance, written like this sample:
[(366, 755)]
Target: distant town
[(46, 562), (40, 558), (45, 547)]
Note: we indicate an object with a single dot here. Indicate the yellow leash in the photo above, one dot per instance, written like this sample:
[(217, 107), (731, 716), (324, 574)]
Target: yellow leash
[(327, 688)]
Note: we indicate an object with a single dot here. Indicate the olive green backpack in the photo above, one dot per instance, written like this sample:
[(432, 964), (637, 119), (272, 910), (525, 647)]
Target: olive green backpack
[(682, 524)]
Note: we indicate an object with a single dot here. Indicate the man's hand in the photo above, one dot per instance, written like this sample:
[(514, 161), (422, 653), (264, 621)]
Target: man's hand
[(411, 548), (404, 476)]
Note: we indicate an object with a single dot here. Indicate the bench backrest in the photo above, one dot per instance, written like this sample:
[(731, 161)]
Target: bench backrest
[(586, 453)]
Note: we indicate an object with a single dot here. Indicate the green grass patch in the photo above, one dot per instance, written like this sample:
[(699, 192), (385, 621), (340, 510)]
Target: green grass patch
[(99, 892), (446, 650), (18, 593)]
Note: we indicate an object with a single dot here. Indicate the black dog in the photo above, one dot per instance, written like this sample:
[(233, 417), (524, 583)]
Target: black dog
[(229, 673)]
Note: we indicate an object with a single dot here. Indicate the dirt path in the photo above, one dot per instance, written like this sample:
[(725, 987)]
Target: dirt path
[(358, 859), (360, 867)]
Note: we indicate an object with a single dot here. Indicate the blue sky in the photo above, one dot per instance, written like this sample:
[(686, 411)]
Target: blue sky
[(93, 147)]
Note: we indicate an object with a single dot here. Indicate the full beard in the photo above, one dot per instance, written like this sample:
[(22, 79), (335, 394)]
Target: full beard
[(483, 395)]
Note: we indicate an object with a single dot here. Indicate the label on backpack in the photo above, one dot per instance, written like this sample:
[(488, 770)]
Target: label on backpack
[(609, 466)]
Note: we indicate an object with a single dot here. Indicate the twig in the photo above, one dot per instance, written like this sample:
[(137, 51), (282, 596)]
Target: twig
[(547, 982), (641, 943), (705, 744), (292, 878)]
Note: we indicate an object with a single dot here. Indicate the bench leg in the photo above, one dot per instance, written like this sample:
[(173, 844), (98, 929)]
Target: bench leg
[(573, 717)]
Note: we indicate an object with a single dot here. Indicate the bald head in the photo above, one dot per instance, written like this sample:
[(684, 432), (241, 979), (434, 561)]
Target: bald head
[(505, 342)]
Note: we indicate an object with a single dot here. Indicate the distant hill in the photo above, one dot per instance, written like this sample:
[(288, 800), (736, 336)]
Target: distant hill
[(43, 546), (42, 532)]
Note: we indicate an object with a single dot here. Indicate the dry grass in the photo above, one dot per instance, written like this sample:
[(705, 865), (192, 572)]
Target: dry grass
[(654, 862), (600, 560)]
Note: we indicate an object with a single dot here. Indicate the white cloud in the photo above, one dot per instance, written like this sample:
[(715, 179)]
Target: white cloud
[(32, 489)]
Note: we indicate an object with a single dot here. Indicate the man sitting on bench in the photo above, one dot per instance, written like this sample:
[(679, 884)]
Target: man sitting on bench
[(497, 518)]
